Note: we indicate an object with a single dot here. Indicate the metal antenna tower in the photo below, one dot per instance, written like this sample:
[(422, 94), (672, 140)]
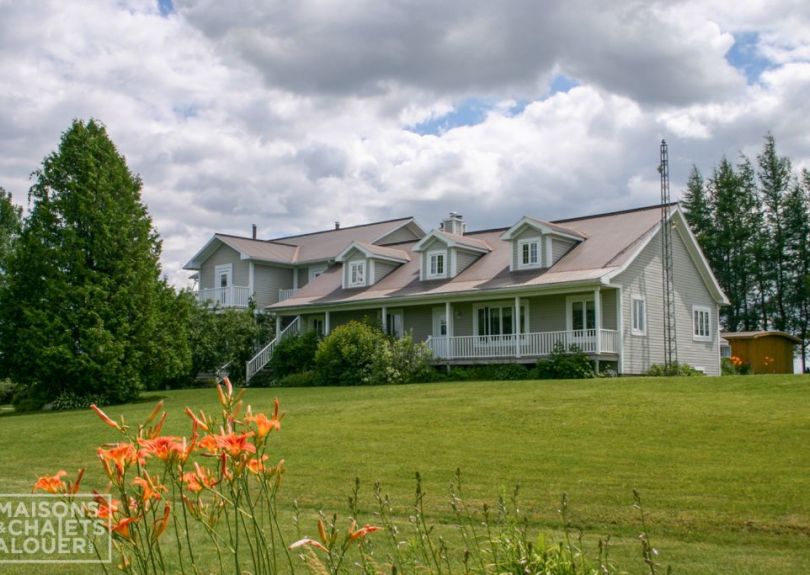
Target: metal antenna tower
[(670, 339)]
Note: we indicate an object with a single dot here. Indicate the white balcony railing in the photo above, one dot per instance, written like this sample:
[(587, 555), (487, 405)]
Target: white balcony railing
[(535, 344), (231, 296), (286, 293)]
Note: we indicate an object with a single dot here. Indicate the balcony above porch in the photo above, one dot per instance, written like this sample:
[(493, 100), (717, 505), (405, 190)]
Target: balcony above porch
[(231, 296), (528, 346)]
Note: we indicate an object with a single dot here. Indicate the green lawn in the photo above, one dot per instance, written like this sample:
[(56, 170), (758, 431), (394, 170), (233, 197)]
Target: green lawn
[(723, 464)]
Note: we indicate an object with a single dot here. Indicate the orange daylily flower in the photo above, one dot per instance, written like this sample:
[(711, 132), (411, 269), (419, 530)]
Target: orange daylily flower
[(164, 448), (235, 444), (160, 524), (51, 483), (198, 421), (198, 479), (154, 413), (104, 417), (265, 425), (308, 541), (122, 455), (363, 531), (151, 487), (122, 527), (106, 507), (256, 465)]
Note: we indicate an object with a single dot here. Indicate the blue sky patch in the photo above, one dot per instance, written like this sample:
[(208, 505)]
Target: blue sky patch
[(469, 112), (166, 7), (744, 56), (561, 83)]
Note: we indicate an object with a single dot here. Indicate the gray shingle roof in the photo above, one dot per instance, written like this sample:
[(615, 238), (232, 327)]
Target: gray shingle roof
[(612, 240)]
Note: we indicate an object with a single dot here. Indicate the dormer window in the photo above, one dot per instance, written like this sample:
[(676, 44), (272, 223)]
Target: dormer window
[(357, 273), (437, 264), (529, 253)]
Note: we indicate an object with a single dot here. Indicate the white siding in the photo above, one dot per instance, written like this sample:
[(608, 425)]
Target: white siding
[(643, 277), (224, 255)]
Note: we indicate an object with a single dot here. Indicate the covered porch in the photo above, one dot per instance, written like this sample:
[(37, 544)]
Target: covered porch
[(530, 346), (518, 328)]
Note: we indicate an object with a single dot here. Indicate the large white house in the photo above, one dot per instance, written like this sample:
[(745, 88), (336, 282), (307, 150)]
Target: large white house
[(497, 295)]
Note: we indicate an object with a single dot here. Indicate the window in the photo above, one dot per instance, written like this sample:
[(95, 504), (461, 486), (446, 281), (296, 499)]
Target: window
[(437, 265), (498, 319), (357, 274), (581, 313), (639, 316), (393, 323), (701, 323), (529, 253)]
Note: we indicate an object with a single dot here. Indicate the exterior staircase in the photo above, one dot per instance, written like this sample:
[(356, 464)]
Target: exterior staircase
[(259, 361)]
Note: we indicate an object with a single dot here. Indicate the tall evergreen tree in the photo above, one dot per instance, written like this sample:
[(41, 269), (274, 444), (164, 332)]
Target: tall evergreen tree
[(797, 261), (774, 178), (730, 249), (84, 304), (10, 225), (698, 210)]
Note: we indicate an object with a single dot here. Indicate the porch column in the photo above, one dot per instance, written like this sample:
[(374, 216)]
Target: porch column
[(295, 278), (384, 319), (326, 326), (517, 326), (448, 318), (597, 308), (278, 326)]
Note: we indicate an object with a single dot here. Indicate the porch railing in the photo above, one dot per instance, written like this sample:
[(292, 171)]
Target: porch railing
[(286, 293), (262, 358), (231, 296), (535, 344)]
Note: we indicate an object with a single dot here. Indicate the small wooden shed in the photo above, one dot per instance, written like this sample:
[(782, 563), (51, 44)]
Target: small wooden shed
[(764, 351)]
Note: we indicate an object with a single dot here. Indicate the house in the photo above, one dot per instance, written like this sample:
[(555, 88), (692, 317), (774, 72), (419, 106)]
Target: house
[(764, 351), (498, 295)]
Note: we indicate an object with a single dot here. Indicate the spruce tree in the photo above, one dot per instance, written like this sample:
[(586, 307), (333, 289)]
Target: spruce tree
[(797, 261), (84, 305), (775, 178), (698, 209)]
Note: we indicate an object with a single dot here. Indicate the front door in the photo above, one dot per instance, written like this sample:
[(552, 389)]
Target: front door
[(582, 321), (440, 341), (222, 279)]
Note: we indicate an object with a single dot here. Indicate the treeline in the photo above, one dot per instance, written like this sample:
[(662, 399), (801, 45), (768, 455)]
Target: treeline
[(85, 315), (752, 220)]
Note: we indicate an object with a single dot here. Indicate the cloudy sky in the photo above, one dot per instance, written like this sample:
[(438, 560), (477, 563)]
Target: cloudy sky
[(292, 114)]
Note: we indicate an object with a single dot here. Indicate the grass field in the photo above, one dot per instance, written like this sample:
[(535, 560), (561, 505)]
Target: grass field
[(723, 464)]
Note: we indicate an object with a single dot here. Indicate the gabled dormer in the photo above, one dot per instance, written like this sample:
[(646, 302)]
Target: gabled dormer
[(366, 264), (446, 252), (537, 244)]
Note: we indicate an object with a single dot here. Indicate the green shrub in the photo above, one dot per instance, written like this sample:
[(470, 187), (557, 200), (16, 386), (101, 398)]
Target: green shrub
[(358, 353), (6, 391), (409, 360), (350, 355), (676, 369), (571, 363), (294, 355), (301, 379), (71, 400)]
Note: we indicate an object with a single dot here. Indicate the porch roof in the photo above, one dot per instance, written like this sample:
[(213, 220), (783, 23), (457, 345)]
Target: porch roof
[(612, 241)]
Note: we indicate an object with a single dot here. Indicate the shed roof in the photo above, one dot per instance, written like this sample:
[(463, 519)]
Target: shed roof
[(736, 335)]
